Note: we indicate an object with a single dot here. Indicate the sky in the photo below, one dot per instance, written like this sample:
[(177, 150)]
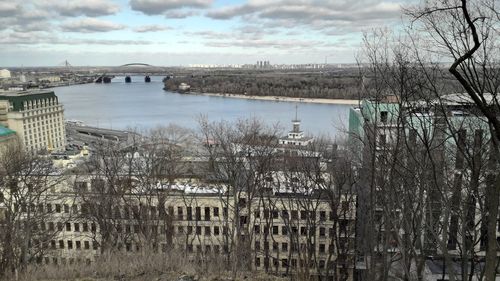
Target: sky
[(184, 32)]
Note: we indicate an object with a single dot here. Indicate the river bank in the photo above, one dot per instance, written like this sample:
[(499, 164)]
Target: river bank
[(285, 99)]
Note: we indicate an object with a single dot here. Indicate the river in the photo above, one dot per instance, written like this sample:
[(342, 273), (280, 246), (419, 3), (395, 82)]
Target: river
[(140, 105)]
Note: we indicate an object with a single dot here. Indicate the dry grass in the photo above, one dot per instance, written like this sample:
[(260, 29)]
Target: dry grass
[(146, 266)]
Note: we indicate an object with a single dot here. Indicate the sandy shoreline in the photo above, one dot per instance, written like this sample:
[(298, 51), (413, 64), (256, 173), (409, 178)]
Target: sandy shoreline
[(286, 99)]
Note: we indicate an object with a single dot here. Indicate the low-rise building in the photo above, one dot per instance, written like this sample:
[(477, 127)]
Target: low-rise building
[(284, 231)]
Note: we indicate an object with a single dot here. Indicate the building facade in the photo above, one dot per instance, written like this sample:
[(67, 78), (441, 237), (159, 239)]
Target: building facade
[(286, 234), (37, 117), (436, 153)]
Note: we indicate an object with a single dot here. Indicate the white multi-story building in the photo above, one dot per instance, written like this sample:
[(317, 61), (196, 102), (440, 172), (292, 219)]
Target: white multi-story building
[(37, 117), (4, 73)]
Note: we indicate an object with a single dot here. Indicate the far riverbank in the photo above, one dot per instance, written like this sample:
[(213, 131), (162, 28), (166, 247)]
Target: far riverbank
[(280, 98)]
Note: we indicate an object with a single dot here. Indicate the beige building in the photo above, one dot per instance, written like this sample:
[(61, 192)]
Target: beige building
[(37, 117), (284, 233)]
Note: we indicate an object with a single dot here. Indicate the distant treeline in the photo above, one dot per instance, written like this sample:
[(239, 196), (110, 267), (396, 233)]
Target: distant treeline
[(335, 84), (302, 85)]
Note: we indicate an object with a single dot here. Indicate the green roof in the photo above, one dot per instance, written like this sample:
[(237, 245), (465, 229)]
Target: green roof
[(5, 131), (17, 99)]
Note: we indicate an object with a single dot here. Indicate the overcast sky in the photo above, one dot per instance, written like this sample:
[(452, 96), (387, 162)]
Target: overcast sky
[(182, 32)]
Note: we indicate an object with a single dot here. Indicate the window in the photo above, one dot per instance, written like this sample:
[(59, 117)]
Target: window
[(284, 214), (77, 227), (257, 245), (51, 226), (59, 226), (256, 229), (66, 208), (284, 247), (180, 229), (198, 230), (207, 213), (85, 227), (189, 230), (207, 230), (322, 231), (68, 226), (198, 213), (284, 230), (303, 215), (275, 230), (383, 116), (180, 215), (275, 246), (95, 245), (382, 140), (275, 214), (53, 244), (257, 262), (284, 263), (58, 208), (216, 230), (295, 215), (61, 244), (266, 230), (216, 211), (189, 213), (78, 245), (303, 230), (321, 248), (86, 245), (322, 215), (70, 244)]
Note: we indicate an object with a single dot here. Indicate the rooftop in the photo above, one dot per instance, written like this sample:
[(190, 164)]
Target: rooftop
[(5, 131), (17, 98)]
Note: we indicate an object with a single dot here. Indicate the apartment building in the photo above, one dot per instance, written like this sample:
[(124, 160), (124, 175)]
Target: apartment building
[(438, 149), (283, 233), (37, 117)]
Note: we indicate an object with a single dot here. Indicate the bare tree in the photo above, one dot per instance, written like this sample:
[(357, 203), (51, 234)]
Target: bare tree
[(467, 33), (27, 193)]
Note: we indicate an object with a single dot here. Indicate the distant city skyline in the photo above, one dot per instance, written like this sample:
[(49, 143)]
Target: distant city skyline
[(186, 32)]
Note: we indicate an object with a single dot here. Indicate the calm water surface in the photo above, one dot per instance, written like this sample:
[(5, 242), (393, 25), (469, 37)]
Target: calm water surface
[(140, 105)]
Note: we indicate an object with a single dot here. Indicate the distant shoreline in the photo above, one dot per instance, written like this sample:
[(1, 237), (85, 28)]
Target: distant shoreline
[(285, 99)]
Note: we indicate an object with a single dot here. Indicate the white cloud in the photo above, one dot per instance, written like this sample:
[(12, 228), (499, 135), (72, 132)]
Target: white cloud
[(90, 8), (89, 25), (151, 28), (157, 7), (315, 14)]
